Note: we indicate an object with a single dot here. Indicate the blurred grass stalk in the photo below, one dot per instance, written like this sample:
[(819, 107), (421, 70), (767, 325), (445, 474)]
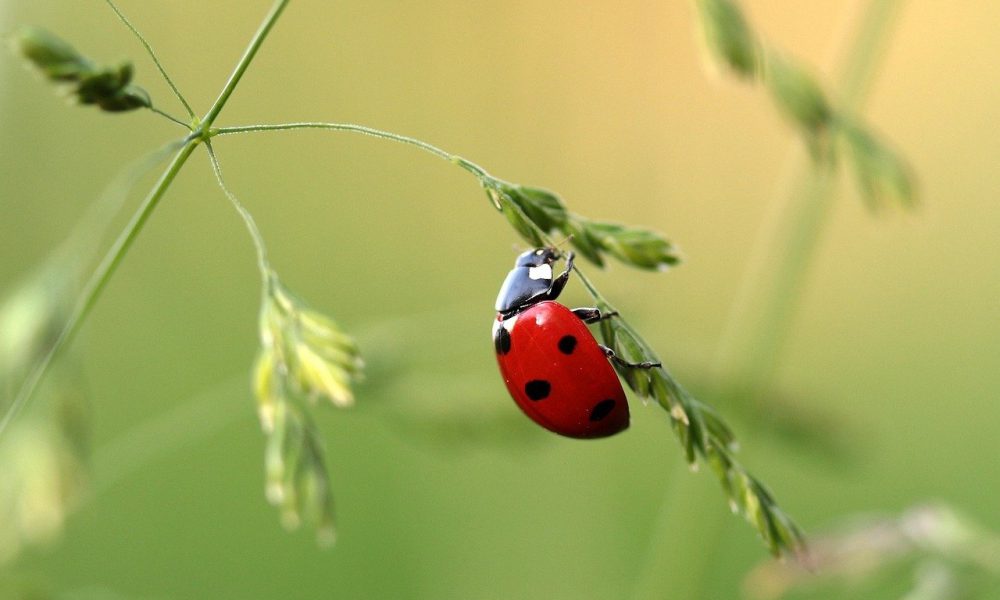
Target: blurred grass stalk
[(759, 322), (763, 310)]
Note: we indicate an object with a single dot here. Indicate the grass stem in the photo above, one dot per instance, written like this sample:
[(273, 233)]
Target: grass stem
[(169, 117), (764, 309), (99, 280), (248, 220), (363, 130), (244, 62), (156, 60)]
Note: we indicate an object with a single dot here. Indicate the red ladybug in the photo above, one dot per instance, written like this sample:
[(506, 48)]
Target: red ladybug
[(553, 367)]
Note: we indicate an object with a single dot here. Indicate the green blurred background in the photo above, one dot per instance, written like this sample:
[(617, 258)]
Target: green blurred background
[(443, 489)]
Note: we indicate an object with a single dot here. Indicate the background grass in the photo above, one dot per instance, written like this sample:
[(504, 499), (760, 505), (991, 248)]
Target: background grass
[(443, 490)]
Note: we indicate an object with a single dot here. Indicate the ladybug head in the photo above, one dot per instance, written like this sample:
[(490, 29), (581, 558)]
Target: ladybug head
[(530, 281), (537, 257)]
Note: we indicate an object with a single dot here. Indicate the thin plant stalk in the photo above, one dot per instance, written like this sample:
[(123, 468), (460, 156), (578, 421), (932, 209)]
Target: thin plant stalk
[(169, 117), (363, 130), (98, 282), (156, 61), (106, 269), (764, 309), (258, 240), (248, 55), (84, 242), (758, 326)]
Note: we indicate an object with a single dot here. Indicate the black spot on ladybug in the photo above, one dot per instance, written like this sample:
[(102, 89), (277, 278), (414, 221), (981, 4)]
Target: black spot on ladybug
[(537, 389), (567, 344), (601, 410), (501, 341)]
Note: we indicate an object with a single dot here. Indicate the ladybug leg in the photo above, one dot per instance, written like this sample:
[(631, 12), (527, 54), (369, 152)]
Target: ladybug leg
[(593, 315), (560, 282), (624, 363)]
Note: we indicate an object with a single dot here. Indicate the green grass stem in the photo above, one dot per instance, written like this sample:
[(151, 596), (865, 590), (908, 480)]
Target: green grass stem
[(156, 61), (99, 280), (243, 64), (763, 312), (248, 220), (362, 130)]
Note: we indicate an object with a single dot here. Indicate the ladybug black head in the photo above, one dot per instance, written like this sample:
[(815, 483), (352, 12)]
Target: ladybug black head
[(537, 257), (531, 281)]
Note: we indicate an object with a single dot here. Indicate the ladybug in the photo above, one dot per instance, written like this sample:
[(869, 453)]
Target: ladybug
[(554, 369)]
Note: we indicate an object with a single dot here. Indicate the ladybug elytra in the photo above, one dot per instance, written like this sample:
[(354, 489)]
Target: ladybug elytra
[(554, 369)]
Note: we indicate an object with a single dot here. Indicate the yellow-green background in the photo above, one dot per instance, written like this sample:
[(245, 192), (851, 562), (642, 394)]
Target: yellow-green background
[(443, 490)]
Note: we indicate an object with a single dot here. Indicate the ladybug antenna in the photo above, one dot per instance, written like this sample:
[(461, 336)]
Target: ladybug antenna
[(560, 244)]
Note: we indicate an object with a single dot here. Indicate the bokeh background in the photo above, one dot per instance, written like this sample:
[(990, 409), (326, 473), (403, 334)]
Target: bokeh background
[(443, 490)]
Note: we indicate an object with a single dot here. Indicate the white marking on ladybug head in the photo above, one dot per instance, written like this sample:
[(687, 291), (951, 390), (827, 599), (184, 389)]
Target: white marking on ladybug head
[(540, 272)]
